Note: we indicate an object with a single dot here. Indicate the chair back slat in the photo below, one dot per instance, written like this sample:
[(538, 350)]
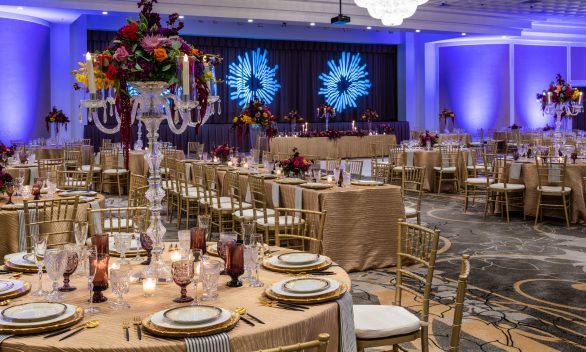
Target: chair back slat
[(51, 217), (459, 303), (258, 196), (306, 235)]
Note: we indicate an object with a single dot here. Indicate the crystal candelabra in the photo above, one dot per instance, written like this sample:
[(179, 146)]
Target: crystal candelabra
[(138, 144), (569, 108)]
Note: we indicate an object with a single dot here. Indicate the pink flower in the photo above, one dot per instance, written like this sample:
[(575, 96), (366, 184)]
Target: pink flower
[(121, 54), (151, 42)]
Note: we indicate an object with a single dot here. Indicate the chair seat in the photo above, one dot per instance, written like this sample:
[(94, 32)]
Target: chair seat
[(290, 220), (410, 211), (228, 206), (168, 184), (380, 321), (510, 186), (88, 167), (214, 201), (249, 214), (115, 171), (398, 169), (71, 183), (475, 167), (117, 223), (478, 181), (449, 169), (554, 189), (163, 170)]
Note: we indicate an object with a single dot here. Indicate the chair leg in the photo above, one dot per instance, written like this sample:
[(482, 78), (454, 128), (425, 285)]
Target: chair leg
[(439, 184), (465, 198), (488, 202), (179, 212), (424, 339), (507, 205), (566, 211), (538, 208)]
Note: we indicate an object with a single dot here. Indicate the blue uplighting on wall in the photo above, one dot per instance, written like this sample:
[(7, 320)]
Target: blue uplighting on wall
[(250, 77), (345, 82)]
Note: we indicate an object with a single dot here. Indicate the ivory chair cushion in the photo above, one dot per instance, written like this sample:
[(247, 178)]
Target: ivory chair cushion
[(289, 220), (450, 169), (510, 186), (554, 189), (249, 214), (410, 211), (380, 321)]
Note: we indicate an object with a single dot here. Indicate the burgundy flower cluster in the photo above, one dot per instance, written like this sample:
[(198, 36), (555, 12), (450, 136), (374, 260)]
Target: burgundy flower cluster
[(331, 134)]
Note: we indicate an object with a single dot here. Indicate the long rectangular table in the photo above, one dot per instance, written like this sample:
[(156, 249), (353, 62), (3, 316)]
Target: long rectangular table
[(360, 231), (323, 147)]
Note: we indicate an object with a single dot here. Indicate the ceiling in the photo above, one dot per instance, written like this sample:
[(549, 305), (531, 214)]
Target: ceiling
[(537, 8)]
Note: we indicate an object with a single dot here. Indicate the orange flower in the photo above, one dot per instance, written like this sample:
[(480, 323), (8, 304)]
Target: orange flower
[(160, 54), (195, 52)]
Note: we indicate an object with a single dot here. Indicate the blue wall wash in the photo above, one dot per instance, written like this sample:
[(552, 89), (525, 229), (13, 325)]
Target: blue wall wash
[(25, 96)]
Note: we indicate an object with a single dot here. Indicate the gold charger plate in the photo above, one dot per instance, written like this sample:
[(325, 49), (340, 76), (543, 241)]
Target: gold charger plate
[(291, 181), (129, 255), (211, 330), (76, 318), (292, 270), (26, 288), (367, 183), (308, 300), (20, 268)]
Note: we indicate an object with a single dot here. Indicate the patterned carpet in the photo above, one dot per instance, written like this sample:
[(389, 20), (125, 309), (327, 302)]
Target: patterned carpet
[(527, 287)]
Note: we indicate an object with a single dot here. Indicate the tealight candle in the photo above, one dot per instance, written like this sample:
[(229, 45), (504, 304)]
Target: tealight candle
[(149, 285), (245, 165), (175, 256), (329, 179), (230, 163), (278, 172)]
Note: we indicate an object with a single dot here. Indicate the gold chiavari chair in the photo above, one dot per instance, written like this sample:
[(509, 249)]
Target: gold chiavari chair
[(75, 180), (218, 207), (51, 217), (48, 168), (192, 148), (355, 168), (512, 142), (86, 141), (332, 165), (391, 325), (380, 171), (491, 147), (169, 157), (72, 158), (396, 162), (474, 160), (376, 150), (412, 187), (136, 189), (97, 171), (189, 197), (481, 180), (242, 209), (106, 144), (320, 345), (552, 191), (502, 192), (459, 303), (448, 169), (114, 220), (304, 236), (173, 191), (112, 174)]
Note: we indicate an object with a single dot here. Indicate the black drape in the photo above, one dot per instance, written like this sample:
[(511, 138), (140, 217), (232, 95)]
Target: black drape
[(300, 64)]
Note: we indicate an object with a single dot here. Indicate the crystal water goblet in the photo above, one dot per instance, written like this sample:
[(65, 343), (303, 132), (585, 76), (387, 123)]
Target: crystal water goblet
[(184, 241), (55, 265), (122, 242), (70, 267), (182, 271), (39, 249), (257, 254), (91, 264), (120, 279)]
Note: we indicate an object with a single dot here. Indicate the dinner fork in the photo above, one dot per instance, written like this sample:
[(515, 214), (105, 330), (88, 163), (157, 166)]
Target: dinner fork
[(138, 323), (126, 326)]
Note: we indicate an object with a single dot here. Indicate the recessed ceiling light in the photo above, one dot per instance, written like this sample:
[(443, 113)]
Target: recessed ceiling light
[(312, 24), (417, 30), (20, 8), (463, 34), (250, 20), (104, 12), (504, 37), (181, 17), (369, 27)]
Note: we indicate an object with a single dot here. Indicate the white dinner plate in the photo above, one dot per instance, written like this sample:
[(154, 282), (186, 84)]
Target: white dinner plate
[(17, 285), (159, 320), (316, 185), (366, 183), (291, 181), (78, 193), (298, 258), (193, 315), (6, 285), (29, 258), (18, 259), (267, 176), (69, 312), (274, 261), (279, 289), (306, 285), (33, 312), (247, 172)]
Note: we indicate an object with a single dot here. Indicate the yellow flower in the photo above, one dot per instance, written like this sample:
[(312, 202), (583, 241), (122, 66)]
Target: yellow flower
[(576, 94), (247, 119), (160, 54), (235, 120)]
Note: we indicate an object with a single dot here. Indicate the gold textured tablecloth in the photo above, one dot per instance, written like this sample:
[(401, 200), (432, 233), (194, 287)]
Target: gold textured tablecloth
[(282, 326), (14, 172), (465, 138), (323, 147), (360, 232), (139, 166), (49, 152), (9, 223)]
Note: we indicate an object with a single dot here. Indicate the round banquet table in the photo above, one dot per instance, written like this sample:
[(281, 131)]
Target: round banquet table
[(282, 326), (465, 138), (31, 171), (56, 152), (9, 220)]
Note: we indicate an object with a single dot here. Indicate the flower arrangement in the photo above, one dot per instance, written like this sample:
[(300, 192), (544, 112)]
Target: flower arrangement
[(5, 180), (255, 113), (222, 152), (547, 128), (515, 127), (427, 137), (331, 134), (293, 116), (558, 92), (326, 110), (387, 129), (6, 152), (447, 114), (57, 117), (296, 164), (369, 115)]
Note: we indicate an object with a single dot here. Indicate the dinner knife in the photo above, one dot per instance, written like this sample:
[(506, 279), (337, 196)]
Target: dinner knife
[(294, 305), (246, 321), (59, 332), (289, 308), (255, 318), (73, 333)]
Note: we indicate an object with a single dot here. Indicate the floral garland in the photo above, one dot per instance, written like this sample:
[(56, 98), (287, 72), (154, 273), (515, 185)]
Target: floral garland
[(57, 117), (296, 164), (222, 152), (387, 129), (331, 134), (369, 115), (560, 92), (5, 180), (145, 50), (293, 115), (424, 138), (447, 114)]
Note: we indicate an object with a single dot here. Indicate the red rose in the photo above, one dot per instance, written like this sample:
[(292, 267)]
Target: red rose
[(296, 163), (112, 72), (130, 31)]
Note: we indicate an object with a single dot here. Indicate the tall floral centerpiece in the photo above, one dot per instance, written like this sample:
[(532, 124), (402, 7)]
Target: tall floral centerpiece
[(293, 117), (5, 180), (560, 100), (296, 165), (56, 119), (369, 115), (6, 152), (256, 119), (326, 112), (446, 116), (172, 79)]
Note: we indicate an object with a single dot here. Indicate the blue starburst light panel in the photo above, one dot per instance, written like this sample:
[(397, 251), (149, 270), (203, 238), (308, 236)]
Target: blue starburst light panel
[(345, 82), (250, 77)]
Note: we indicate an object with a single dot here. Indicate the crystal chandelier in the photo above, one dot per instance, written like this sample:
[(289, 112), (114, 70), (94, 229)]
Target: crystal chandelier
[(390, 12)]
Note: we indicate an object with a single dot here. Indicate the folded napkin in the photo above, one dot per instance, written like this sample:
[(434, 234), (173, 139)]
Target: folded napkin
[(212, 343), (22, 227), (347, 332), (298, 198), (554, 173), (275, 194), (409, 161), (96, 218), (4, 337), (515, 171)]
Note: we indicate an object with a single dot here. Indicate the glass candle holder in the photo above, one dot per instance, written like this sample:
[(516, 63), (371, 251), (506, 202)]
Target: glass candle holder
[(234, 263), (149, 286), (101, 277)]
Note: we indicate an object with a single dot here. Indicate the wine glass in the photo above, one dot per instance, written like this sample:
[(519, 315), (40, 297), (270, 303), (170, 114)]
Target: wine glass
[(70, 267), (138, 222), (256, 253), (120, 286), (80, 231), (39, 249), (197, 257), (146, 243), (10, 191), (122, 242), (55, 264), (182, 271), (91, 263)]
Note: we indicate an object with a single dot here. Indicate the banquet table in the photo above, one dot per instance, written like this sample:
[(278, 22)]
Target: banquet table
[(465, 138), (360, 230), (31, 171), (323, 147), (430, 159), (57, 152), (9, 218), (281, 326)]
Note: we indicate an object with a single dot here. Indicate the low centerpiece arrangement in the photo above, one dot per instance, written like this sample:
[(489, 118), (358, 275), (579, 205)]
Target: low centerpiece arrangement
[(293, 117), (369, 115), (5, 180), (386, 129), (428, 140), (326, 112), (296, 165), (560, 100), (222, 152)]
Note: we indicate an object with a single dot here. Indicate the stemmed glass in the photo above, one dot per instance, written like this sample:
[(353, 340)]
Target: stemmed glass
[(120, 286), (138, 223), (80, 231), (182, 271), (55, 264), (234, 263), (256, 253), (197, 256), (225, 239), (248, 229), (10, 192), (147, 244), (122, 242), (39, 249), (70, 267), (91, 263)]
